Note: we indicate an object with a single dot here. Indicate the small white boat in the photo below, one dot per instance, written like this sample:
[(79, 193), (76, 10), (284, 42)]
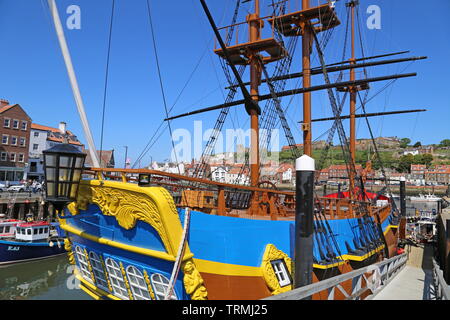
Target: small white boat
[(426, 198)]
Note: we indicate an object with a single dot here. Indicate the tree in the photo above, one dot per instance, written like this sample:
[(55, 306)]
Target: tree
[(417, 144), (404, 142), (404, 163), (445, 143)]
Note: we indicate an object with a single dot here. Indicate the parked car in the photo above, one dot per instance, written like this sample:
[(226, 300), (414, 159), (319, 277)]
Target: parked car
[(3, 187), (19, 188)]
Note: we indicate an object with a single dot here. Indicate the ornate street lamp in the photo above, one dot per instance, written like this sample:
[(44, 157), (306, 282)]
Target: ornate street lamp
[(63, 165)]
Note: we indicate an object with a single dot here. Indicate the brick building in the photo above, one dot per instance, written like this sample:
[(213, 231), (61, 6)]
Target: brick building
[(15, 134)]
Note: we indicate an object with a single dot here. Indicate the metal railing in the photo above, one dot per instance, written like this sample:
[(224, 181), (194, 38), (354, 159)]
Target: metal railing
[(441, 288), (366, 282)]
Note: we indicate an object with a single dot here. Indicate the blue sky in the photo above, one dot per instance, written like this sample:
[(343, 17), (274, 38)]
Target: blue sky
[(34, 75)]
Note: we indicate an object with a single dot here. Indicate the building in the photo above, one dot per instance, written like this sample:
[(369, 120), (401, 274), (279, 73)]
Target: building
[(168, 167), (440, 174), (15, 133), (417, 175), (43, 138), (106, 158)]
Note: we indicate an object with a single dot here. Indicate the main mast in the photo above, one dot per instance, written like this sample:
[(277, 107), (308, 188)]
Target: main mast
[(306, 69), (255, 81), (352, 90)]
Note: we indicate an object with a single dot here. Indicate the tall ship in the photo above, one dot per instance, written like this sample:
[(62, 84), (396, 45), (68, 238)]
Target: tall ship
[(140, 234)]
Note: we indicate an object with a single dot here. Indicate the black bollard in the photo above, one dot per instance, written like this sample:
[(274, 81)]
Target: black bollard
[(402, 197), (304, 215)]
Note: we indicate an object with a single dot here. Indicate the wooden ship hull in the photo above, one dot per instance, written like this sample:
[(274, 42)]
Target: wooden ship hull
[(119, 229)]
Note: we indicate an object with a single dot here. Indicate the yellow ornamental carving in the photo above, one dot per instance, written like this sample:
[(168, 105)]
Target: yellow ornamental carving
[(125, 278), (193, 282), (272, 254), (89, 265), (68, 248), (126, 206), (149, 285)]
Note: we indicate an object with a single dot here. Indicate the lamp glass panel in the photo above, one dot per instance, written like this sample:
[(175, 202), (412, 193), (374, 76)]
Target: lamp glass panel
[(79, 162), (50, 160), (76, 175), (50, 174), (65, 161), (50, 189)]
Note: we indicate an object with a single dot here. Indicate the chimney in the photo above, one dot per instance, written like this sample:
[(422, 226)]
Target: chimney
[(62, 127), (3, 103)]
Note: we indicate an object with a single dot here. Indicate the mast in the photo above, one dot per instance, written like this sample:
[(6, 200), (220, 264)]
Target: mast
[(352, 90), (255, 80), (73, 82), (306, 68)]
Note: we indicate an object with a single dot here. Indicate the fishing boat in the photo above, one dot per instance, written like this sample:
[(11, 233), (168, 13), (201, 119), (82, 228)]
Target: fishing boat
[(30, 241), (140, 234)]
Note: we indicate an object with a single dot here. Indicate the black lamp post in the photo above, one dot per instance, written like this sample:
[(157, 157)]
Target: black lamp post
[(63, 165)]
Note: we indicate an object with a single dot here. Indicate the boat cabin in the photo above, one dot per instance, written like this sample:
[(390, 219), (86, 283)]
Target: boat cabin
[(33, 231), (8, 228)]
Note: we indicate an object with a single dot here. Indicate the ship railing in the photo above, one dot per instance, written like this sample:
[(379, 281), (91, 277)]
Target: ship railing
[(441, 288), (240, 32), (232, 199), (210, 196), (360, 284)]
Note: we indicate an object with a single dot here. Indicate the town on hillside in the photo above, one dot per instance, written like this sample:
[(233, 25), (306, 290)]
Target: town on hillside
[(21, 158)]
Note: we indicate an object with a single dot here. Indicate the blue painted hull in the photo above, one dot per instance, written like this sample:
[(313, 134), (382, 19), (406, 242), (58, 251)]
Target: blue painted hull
[(14, 251)]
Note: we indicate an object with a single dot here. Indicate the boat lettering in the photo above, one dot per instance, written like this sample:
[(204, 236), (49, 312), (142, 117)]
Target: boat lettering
[(13, 248)]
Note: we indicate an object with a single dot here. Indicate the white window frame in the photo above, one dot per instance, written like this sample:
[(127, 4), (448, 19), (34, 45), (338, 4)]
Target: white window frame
[(21, 155), (116, 279), (36, 133), (281, 272), (18, 124), (9, 123), (83, 264), (160, 285), (7, 138), (24, 140), (12, 156), (99, 273), (12, 141), (26, 125), (35, 145), (4, 156), (137, 284)]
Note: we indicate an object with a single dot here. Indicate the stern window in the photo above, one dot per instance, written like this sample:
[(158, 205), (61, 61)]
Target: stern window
[(99, 273), (116, 279), (280, 270), (160, 285), (137, 284), (83, 264)]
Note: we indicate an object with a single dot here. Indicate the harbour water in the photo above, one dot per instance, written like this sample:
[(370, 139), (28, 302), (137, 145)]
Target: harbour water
[(48, 279)]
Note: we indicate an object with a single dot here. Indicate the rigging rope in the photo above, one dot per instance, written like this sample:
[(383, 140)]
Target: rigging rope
[(106, 79), (161, 83)]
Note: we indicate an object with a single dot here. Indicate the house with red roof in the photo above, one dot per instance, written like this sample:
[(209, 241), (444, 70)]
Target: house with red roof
[(15, 134)]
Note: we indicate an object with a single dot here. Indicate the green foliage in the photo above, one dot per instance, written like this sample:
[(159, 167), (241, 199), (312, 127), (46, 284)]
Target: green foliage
[(405, 161), (404, 142), (417, 144), (445, 143)]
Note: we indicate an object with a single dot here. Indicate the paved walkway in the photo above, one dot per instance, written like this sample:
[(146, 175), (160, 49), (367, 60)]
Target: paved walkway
[(414, 281)]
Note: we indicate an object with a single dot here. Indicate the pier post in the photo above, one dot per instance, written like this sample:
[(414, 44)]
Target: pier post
[(402, 197), (304, 215)]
